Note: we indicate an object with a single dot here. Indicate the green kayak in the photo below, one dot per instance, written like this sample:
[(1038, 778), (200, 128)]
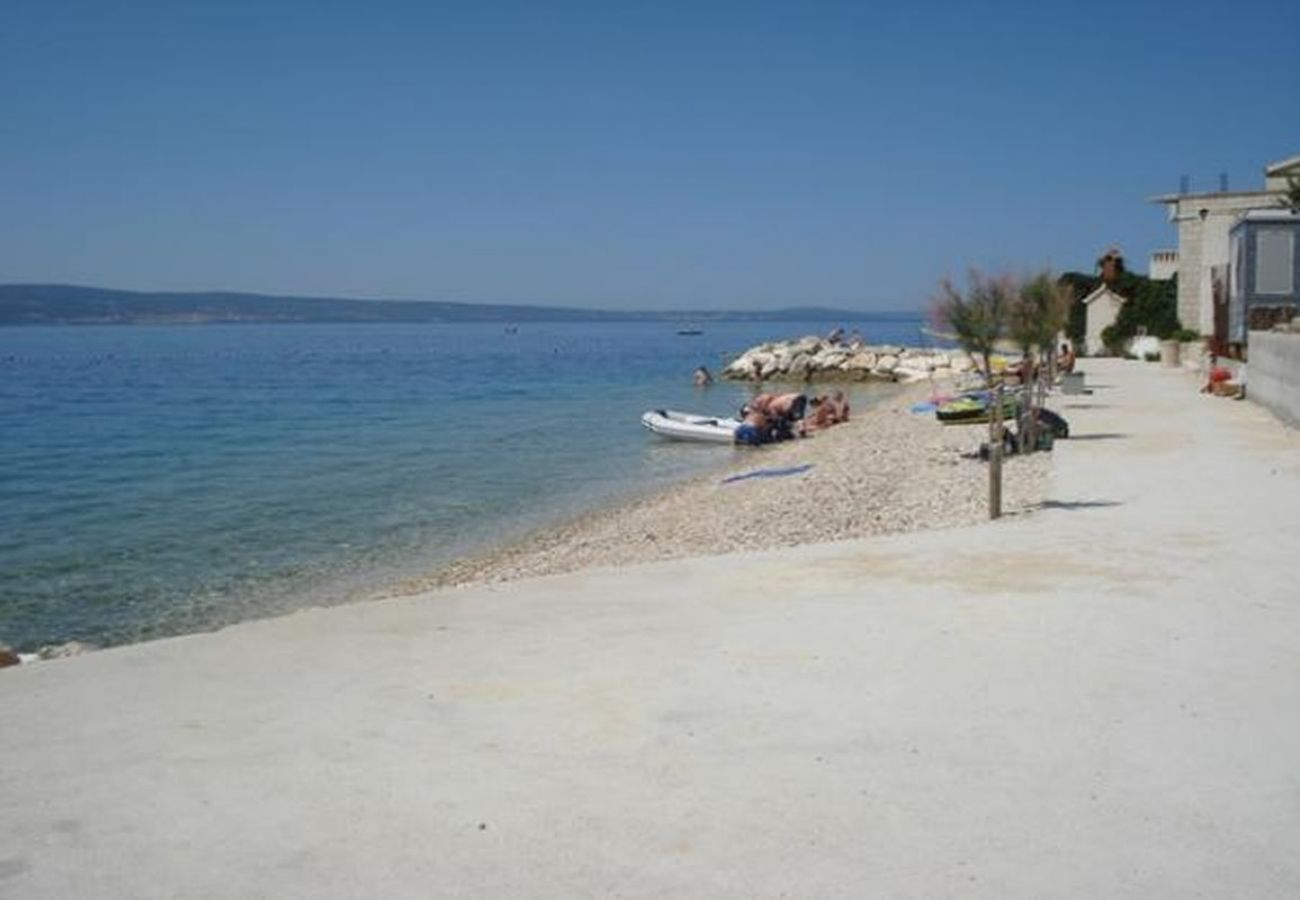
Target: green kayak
[(972, 410)]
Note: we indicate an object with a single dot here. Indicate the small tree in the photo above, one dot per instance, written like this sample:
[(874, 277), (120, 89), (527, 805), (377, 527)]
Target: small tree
[(978, 317), (1037, 315)]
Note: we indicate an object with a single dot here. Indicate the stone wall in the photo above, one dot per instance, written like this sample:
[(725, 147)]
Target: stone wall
[(1273, 374)]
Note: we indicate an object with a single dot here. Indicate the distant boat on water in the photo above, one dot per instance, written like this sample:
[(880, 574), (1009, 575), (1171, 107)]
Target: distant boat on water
[(689, 331)]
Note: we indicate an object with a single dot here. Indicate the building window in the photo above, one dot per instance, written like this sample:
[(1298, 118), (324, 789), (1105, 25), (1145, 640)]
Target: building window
[(1274, 261)]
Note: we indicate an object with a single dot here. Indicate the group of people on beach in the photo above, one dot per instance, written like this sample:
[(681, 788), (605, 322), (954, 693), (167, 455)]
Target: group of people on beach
[(779, 417)]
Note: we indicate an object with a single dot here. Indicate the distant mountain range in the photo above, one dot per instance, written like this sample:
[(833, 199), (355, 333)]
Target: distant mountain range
[(64, 304)]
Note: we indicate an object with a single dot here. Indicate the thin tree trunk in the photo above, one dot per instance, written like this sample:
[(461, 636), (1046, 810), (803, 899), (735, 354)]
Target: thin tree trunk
[(1026, 436)]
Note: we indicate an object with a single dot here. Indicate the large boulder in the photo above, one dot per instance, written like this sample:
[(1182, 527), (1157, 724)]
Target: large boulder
[(801, 366), (862, 361), (8, 657), (830, 359), (809, 344)]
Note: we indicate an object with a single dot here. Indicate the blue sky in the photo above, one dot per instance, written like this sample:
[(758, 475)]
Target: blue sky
[(623, 155)]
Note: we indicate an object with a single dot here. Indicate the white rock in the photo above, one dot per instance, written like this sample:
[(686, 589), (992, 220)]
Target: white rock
[(908, 374)]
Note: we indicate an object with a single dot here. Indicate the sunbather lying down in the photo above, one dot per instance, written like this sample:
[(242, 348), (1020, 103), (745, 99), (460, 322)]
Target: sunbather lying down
[(827, 411)]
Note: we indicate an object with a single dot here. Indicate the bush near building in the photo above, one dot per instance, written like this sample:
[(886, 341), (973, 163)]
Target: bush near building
[(1151, 307)]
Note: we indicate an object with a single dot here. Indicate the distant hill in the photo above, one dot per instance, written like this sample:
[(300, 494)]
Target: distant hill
[(62, 304)]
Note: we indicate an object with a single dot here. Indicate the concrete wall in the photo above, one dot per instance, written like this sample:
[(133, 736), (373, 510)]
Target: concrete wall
[(1273, 375)]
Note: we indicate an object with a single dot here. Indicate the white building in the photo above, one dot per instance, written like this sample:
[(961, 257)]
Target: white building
[(1163, 265), (1203, 222), (1102, 310)]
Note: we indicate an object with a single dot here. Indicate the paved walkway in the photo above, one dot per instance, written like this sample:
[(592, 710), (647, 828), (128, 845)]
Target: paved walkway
[(1099, 700)]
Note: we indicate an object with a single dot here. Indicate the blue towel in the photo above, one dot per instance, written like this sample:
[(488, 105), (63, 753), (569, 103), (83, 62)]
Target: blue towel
[(769, 473)]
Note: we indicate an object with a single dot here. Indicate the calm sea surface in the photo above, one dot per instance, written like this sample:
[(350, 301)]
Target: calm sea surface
[(161, 480)]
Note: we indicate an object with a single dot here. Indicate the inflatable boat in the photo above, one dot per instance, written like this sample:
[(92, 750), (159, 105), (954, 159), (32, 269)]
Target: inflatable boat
[(680, 426)]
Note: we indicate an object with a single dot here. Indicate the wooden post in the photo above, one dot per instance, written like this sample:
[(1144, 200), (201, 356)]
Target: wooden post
[(995, 449)]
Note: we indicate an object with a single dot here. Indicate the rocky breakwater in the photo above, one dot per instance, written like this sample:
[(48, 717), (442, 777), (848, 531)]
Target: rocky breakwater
[(816, 359)]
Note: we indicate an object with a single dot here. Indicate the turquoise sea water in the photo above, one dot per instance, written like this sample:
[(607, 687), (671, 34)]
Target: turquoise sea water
[(158, 480)]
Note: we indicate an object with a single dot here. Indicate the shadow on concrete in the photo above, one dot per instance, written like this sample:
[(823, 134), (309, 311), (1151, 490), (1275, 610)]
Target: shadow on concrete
[(1099, 436), (1077, 504)]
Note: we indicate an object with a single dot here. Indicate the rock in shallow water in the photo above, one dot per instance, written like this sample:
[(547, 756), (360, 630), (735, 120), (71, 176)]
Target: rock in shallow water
[(8, 657), (60, 651)]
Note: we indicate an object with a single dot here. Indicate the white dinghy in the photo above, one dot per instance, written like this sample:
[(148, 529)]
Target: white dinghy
[(680, 426)]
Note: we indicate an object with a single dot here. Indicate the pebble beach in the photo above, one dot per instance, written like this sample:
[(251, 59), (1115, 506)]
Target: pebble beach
[(885, 471)]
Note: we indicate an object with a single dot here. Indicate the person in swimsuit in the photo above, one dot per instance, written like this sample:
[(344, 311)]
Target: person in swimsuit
[(755, 428)]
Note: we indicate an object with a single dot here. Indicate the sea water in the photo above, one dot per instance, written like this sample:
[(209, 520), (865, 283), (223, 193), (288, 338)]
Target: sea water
[(157, 480)]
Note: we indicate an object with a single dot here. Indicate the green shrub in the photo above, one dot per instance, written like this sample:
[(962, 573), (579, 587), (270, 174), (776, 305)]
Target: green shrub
[(1153, 356), (1151, 305), (1184, 335)]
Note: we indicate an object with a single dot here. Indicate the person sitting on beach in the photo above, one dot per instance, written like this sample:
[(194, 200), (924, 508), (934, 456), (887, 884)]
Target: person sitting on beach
[(788, 406), (785, 411), (826, 411), (841, 404), (822, 414), (1025, 370), (703, 377), (1066, 360), (755, 427)]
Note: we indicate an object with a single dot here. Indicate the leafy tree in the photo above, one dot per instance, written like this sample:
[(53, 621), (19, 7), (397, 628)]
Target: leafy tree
[(1037, 314), (978, 317)]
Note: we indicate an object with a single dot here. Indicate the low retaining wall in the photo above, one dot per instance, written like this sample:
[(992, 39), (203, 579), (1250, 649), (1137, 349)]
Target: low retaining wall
[(1273, 374)]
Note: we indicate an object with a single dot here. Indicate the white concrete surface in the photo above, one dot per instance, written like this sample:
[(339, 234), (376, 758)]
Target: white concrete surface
[(1099, 700)]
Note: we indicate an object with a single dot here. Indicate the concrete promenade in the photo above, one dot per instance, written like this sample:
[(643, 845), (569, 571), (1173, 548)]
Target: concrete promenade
[(1101, 699)]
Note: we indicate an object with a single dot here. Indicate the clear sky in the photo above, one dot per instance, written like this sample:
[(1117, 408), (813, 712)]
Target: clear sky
[(620, 154)]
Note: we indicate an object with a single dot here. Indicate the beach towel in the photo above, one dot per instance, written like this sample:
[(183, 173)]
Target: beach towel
[(769, 473)]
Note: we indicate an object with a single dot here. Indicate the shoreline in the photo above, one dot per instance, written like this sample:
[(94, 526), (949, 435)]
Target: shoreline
[(885, 471)]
